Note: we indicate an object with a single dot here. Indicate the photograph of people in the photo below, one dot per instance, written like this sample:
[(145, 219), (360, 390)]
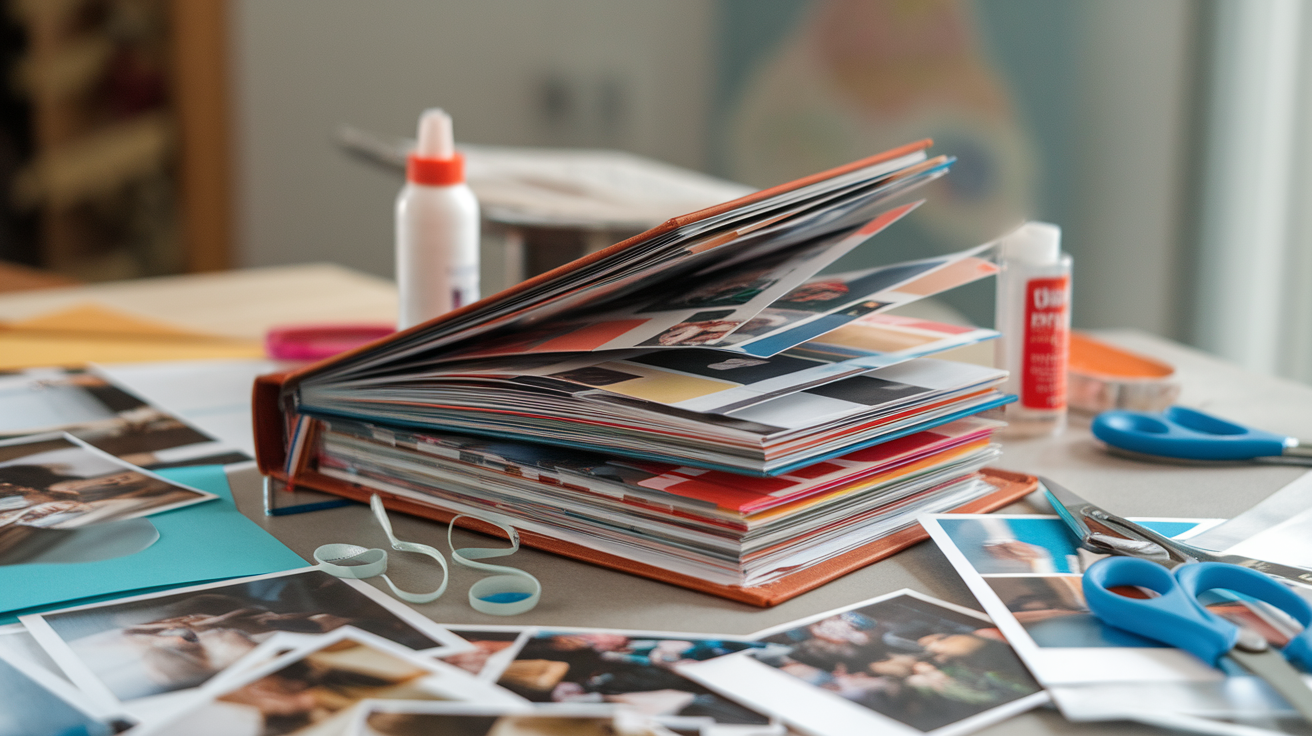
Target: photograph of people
[(695, 333), (54, 482), (106, 417), (322, 691), (178, 641), (907, 659), (400, 723), (617, 668)]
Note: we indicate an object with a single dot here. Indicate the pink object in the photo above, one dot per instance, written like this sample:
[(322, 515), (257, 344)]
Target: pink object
[(316, 342)]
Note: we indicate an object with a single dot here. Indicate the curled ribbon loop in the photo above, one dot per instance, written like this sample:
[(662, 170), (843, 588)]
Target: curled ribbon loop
[(380, 513), (351, 561), (510, 591), (507, 593)]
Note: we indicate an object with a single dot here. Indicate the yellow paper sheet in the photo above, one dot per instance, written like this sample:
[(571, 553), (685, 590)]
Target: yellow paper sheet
[(92, 333)]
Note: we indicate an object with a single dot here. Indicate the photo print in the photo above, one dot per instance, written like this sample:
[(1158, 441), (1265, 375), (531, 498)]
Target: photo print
[(37, 702), (824, 293), (384, 718), (900, 663), (104, 415), (162, 643), (56, 481), (1052, 610), (624, 667), (1026, 571), (701, 328), (494, 649), (320, 688), (733, 290)]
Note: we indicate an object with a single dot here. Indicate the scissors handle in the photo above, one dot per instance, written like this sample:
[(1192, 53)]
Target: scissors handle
[(1187, 434), (1199, 578), (1173, 617)]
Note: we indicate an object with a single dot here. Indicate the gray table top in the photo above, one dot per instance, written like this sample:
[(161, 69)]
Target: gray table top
[(577, 594)]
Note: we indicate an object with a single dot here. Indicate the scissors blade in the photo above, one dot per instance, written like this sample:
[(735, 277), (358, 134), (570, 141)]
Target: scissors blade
[(1280, 675), (1288, 572), (1113, 535), (1105, 533)]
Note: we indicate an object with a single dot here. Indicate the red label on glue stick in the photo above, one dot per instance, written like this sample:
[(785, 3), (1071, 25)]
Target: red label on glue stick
[(1043, 355)]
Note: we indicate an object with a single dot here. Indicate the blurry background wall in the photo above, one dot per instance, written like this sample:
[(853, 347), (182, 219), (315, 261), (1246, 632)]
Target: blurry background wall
[(1165, 136), (1070, 112)]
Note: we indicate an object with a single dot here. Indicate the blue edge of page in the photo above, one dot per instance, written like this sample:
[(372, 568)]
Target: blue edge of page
[(197, 544)]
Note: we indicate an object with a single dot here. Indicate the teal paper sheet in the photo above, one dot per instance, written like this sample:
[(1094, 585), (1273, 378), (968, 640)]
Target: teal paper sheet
[(208, 541)]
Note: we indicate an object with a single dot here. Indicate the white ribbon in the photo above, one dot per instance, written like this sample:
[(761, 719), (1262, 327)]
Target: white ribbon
[(507, 593)]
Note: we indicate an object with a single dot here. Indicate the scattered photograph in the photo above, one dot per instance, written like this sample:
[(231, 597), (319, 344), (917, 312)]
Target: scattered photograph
[(33, 704), (1053, 612), (637, 670), (902, 663), (912, 660), (1026, 572), (493, 650), (167, 642), (16, 642), (1051, 608), (465, 719), (320, 688), (93, 409), (1009, 545), (55, 481)]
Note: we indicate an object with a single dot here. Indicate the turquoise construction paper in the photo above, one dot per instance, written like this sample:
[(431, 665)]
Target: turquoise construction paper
[(208, 541)]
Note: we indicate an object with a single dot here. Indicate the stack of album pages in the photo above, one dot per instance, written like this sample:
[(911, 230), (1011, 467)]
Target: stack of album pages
[(698, 403)]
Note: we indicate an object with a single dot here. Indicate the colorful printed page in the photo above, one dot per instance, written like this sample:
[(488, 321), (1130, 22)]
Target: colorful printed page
[(748, 495), (818, 209), (878, 340), (905, 384), (712, 381), (695, 491), (826, 303), (700, 310)]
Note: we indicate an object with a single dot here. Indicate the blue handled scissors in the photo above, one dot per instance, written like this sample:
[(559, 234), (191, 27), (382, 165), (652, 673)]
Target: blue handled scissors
[(1186, 434), (1105, 533), (1176, 617)]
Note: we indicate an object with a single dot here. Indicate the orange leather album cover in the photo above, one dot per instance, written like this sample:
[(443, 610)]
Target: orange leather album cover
[(271, 453)]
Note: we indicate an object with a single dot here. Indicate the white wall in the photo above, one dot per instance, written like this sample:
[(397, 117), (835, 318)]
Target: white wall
[(1130, 186), (639, 75)]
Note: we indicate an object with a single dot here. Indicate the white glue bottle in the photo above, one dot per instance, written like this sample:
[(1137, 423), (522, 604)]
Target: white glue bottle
[(1034, 317), (436, 227)]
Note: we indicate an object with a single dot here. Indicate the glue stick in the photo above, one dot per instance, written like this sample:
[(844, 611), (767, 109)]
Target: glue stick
[(436, 227), (1034, 317)]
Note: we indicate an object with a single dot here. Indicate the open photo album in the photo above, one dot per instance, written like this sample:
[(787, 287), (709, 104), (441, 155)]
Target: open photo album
[(698, 403)]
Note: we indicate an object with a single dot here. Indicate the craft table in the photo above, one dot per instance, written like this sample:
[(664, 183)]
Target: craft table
[(244, 303)]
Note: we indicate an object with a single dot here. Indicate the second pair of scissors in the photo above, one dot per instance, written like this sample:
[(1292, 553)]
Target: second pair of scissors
[(1176, 617), (1183, 434)]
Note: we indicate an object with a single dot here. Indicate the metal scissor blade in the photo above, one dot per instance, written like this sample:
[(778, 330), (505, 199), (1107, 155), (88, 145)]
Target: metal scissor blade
[(1106, 533), (1280, 675), (1069, 507), (1288, 572)]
